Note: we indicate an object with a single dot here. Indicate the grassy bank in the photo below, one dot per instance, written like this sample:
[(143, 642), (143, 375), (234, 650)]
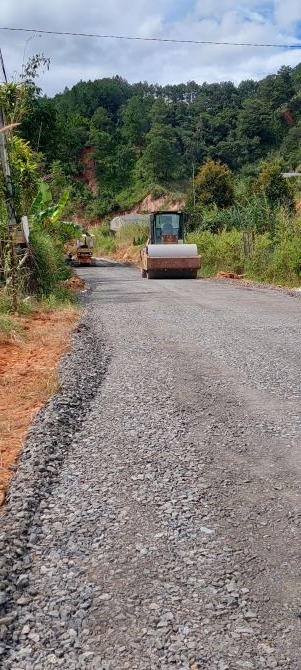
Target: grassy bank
[(273, 259)]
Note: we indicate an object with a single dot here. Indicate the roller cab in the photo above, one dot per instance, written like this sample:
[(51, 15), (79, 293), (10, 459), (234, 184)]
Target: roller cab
[(166, 254)]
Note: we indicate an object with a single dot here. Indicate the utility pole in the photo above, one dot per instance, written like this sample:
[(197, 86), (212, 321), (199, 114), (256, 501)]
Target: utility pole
[(39, 137), (12, 222), (193, 187)]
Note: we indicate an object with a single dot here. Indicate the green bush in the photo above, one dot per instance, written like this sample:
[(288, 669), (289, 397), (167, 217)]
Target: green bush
[(252, 212), (157, 191), (25, 306), (129, 197), (101, 205), (213, 185), (278, 191)]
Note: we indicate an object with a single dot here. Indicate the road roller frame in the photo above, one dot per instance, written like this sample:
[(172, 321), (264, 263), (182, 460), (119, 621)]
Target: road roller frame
[(168, 267)]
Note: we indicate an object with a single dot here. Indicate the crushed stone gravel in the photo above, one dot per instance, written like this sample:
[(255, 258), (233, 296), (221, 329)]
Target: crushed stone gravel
[(161, 528)]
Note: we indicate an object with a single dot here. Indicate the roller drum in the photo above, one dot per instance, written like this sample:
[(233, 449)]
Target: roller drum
[(172, 250)]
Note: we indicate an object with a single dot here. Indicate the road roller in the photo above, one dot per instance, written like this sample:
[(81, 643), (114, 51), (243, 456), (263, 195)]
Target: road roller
[(166, 255)]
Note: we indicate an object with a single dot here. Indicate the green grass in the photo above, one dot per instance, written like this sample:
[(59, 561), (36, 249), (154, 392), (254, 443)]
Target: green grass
[(10, 330), (25, 305), (5, 302), (48, 266), (59, 298), (106, 243)]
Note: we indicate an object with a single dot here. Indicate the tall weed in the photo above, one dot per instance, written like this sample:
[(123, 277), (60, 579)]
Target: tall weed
[(103, 242), (132, 233), (48, 266), (273, 258), (222, 252)]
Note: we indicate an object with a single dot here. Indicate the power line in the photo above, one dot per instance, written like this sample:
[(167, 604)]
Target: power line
[(152, 39)]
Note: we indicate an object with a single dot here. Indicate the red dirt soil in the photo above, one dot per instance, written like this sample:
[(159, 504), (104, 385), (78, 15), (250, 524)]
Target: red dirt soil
[(28, 373), (88, 174), (150, 204)]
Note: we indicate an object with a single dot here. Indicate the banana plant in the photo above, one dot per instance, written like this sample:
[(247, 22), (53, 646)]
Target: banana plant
[(47, 215)]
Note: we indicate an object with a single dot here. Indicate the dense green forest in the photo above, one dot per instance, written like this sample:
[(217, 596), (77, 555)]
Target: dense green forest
[(145, 138)]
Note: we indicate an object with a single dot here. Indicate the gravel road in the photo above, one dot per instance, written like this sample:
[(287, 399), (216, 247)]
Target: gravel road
[(154, 521)]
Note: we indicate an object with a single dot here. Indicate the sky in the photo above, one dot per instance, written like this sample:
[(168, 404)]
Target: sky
[(79, 58)]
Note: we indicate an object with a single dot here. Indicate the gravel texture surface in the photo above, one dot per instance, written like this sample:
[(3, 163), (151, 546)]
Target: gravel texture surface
[(154, 521)]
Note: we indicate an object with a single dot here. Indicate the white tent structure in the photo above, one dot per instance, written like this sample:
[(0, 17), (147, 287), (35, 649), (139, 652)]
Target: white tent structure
[(127, 219)]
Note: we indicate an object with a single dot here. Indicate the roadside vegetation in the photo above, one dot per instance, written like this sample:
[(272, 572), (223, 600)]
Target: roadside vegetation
[(32, 267), (37, 311), (250, 227)]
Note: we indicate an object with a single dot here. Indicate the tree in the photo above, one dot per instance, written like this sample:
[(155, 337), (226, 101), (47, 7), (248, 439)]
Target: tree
[(247, 88), (160, 113), (276, 89), (161, 158), (42, 128), (135, 121), (291, 147), (213, 186), (101, 120), (255, 120), (274, 185)]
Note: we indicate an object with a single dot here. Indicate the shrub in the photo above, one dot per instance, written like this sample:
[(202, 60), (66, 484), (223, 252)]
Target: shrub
[(60, 297), (157, 191), (5, 302), (273, 258), (276, 188)]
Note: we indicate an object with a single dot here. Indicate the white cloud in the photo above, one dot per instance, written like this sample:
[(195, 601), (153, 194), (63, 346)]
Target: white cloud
[(287, 13), (75, 58)]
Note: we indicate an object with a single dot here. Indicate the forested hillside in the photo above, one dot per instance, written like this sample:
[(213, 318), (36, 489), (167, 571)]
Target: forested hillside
[(147, 137)]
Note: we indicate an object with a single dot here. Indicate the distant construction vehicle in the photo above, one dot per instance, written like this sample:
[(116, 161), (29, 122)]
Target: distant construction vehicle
[(82, 254), (166, 255)]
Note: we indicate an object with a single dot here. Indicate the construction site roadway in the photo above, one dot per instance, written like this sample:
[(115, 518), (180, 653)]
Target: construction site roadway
[(154, 520)]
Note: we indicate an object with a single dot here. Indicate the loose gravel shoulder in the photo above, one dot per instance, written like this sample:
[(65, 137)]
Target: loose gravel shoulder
[(154, 522)]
